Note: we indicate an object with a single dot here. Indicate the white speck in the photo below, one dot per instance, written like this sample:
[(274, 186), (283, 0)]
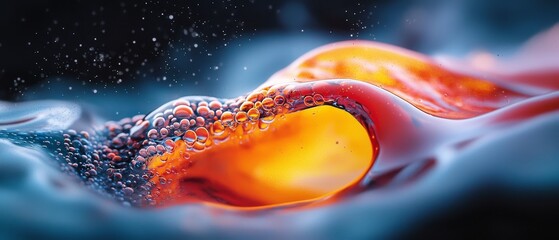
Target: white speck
[(245, 68), (171, 17), (94, 90), (70, 88), (196, 45), (302, 30), (154, 39)]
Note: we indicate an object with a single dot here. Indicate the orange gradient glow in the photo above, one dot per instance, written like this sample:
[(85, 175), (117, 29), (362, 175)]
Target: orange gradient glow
[(300, 157), (411, 76)]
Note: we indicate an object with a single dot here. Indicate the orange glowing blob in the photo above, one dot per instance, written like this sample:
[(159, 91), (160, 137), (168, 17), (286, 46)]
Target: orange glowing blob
[(299, 157)]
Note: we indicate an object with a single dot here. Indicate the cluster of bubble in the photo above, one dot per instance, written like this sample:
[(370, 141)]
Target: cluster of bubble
[(202, 121), (107, 159), (115, 158)]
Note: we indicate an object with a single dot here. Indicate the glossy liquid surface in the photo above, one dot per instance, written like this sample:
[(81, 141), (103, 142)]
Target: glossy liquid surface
[(340, 120)]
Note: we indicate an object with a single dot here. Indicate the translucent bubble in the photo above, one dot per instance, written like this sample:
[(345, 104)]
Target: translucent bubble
[(241, 116), (279, 100), (185, 124), (309, 101), (160, 148), (116, 142), (246, 106), (170, 143), (168, 113), (158, 122), (202, 134), (189, 137), (268, 103), (181, 102), (85, 134), (203, 111), (164, 132), (128, 191), (153, 134), (215, 105), (227, 118), (253, 114), (151, 150), (218, 113), (200, 121), (143, 152), (258, 105), (263, 125), (267, 119), (183, 111), (218, 128), (318, 99), (255, 96)]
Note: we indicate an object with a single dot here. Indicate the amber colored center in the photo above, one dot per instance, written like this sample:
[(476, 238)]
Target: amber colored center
[(302, 156)]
